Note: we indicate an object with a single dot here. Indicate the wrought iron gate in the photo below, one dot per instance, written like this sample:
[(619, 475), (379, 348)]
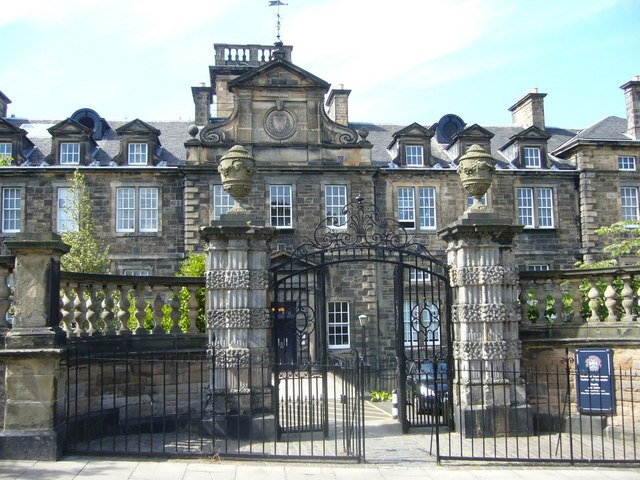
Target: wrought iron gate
[(361, 265)]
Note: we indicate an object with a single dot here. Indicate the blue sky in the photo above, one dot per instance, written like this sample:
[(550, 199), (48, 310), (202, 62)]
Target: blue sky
[(404, 60)]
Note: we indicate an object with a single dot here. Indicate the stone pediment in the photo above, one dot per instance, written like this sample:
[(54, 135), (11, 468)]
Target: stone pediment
[(7, 128), (137, 127), (278, 103), (279, 74), (69, 127)]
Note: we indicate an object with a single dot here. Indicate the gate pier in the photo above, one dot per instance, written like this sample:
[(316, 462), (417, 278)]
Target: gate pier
[(489, 394), (237, 315)]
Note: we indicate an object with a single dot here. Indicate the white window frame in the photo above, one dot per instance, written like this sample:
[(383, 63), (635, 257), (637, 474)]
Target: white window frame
[(137, 153), (6, 150), (281, 206), (412, 335), (535, 207), (11, 209), (538, 267), (338, 325), (137, 209), (135, 272), (416, 275), (427, 208), (64, 218), (531, 157), (629, 202), (414, 155), (335, 199), (627, 163), (69, 153), (222, 201), (406, 207)]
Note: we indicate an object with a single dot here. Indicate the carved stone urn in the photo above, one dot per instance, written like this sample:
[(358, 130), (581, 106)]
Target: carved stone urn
[(476, 168), (237, 168)]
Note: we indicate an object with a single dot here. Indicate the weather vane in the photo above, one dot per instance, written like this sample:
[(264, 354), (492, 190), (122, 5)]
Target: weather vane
[(277, 3)]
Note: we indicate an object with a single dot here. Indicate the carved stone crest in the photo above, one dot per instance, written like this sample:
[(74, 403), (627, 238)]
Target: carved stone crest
[(280, 124)]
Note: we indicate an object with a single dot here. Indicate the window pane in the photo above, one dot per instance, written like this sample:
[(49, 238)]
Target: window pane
[(11, 210), (525, 206), (545, 208), (222, 202), (627, 163), (413, 155), (125, 209), (629, 201), (66, 221), (137, 154), (280, 206), (338, 324), (427, 208), (69, 153), (5, 150), (531, 157), (148, 209), (335, 198), (406, 207), (421, 323)]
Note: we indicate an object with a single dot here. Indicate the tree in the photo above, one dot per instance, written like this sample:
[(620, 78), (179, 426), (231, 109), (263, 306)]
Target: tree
[(86, 254)]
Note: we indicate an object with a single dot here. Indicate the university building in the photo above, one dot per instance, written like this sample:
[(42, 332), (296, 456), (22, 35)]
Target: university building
[(154, 184)]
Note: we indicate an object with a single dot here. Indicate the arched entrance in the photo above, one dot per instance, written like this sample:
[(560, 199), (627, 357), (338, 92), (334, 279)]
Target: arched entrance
[(362, 290)]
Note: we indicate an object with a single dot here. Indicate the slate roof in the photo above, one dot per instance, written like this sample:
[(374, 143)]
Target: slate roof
[(173, 136)]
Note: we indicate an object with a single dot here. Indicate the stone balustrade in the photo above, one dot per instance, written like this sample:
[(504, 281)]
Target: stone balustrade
[(6, 269), (246, 55), (95, 305), (582, 296)]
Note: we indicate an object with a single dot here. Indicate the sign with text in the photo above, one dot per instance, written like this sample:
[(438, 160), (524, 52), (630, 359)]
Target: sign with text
[(594, 380)]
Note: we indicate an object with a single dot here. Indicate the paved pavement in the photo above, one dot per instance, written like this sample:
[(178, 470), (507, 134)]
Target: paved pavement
[(74, 467)]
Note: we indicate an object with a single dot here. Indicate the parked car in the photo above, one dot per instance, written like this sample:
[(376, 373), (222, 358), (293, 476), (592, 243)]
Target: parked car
[(421, 387)]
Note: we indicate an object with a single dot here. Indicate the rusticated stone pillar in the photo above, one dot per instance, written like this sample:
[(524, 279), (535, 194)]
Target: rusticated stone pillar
[(485, 317), (34, 349), (238, 318)]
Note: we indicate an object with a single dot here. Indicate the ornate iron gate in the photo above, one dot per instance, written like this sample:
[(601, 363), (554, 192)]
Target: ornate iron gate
[(361, 265)]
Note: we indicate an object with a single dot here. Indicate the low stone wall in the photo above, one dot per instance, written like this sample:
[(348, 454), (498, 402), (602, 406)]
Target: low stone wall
[(544, 366)]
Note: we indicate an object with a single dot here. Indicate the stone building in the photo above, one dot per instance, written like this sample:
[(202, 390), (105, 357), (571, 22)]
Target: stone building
[(153, 185)]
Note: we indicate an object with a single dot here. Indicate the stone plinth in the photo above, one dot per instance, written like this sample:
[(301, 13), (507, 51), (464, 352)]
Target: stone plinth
[(35, 380), (485, 315), (238, 317)]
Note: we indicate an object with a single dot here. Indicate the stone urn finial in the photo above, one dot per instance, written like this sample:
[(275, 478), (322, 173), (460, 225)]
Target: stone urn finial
[(237, 168), (476, 169)]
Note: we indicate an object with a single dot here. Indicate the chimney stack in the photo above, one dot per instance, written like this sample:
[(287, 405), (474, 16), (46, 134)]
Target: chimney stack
[(529, 110), (338, 103), (202, 101), (632, 98), (4, 103)]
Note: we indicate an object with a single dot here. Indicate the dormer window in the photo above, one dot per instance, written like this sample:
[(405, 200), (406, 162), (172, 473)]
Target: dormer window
[(531, 157), (69, 153), (414, 155), (138, 154), (5, 150)]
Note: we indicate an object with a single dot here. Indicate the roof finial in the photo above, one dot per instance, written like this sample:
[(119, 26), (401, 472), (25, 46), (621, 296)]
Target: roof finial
[(277, 3)]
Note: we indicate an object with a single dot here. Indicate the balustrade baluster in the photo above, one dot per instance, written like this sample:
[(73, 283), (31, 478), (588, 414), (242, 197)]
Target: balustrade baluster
[(525, 302), (157, 314), (141, 309), (80, 311), (627, 299), (123, 310), (68, 310), (107, 315), (193, 310), (5, 297), (593, 296), (92, 311), (610, 301), (576, 302), (557, 294), (175, 310)]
